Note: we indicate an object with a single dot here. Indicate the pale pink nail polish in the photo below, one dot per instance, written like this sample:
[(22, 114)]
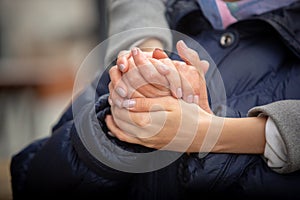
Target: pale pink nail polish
[(196, 99), (129, 103), (121, 92), (190, 99), (134, 51), (179, 93), (121, 67)]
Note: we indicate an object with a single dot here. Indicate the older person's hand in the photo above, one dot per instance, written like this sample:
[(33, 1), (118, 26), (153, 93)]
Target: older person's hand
[(142, 75)]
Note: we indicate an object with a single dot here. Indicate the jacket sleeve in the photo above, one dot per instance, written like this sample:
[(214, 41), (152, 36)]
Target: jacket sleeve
[(62, 165), (286, 116), (125, 15)]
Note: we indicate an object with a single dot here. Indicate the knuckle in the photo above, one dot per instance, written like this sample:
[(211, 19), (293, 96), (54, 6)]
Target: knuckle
[(152, 77), (112, 70), (142, 103), (193, 69)]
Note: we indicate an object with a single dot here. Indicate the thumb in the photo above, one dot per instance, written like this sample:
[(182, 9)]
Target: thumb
[(191, 57), (122, 60), (150, 104)]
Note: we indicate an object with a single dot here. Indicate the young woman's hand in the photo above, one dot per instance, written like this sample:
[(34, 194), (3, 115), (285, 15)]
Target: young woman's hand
[(160, 123)]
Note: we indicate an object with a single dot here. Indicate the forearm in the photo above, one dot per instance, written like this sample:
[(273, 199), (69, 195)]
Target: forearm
[(285, 116), (230, 135), (242, 135)]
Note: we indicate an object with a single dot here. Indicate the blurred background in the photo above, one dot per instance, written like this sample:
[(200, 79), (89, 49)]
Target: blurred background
[(42, 44)]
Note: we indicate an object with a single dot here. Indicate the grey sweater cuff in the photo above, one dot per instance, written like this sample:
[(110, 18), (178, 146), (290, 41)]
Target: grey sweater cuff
[(286, 115), (126, 15)]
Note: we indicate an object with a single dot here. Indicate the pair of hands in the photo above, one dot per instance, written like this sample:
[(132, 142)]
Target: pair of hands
[(158, 102)]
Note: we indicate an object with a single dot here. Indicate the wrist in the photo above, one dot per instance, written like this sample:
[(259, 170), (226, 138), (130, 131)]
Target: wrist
[(203, 140), (229, 135), (150, 44), (242, 135)]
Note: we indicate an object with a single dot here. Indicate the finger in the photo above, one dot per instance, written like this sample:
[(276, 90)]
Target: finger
[(122, 61), (188, 78), (125, 84), (191, 57), (137, 86), (126, 119), (150, 104), (159, 54), (141, 125), (164, 88), (114, 98), (134, 82), (162, 68), (173, 78), (193, 85), (117, 132), (116, 79), (146, 69), (122, 64), (204, 65)]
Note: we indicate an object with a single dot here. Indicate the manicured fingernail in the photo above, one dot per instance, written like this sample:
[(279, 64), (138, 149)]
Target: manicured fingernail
[(190, 99), (121, 67), (129, 103), (121, 92), (196, 99), (134, 51), (179, 93)]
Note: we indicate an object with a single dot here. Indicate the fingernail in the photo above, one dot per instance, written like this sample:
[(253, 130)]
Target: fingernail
[(189, 99), (196, 99), (134, 51), (121, 92), (121, 67), (129, 103), (179, 93)]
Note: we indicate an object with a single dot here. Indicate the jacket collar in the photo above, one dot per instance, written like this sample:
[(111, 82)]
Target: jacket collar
[(286, 21)]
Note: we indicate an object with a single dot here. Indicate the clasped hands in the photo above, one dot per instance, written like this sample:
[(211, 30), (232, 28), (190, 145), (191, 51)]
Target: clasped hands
[(158, 102)]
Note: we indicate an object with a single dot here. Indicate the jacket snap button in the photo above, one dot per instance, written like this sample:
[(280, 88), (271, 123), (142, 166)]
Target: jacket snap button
[(227, 39)]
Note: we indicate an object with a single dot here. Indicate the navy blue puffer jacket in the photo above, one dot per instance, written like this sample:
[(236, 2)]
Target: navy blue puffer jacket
[(260, 64)]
